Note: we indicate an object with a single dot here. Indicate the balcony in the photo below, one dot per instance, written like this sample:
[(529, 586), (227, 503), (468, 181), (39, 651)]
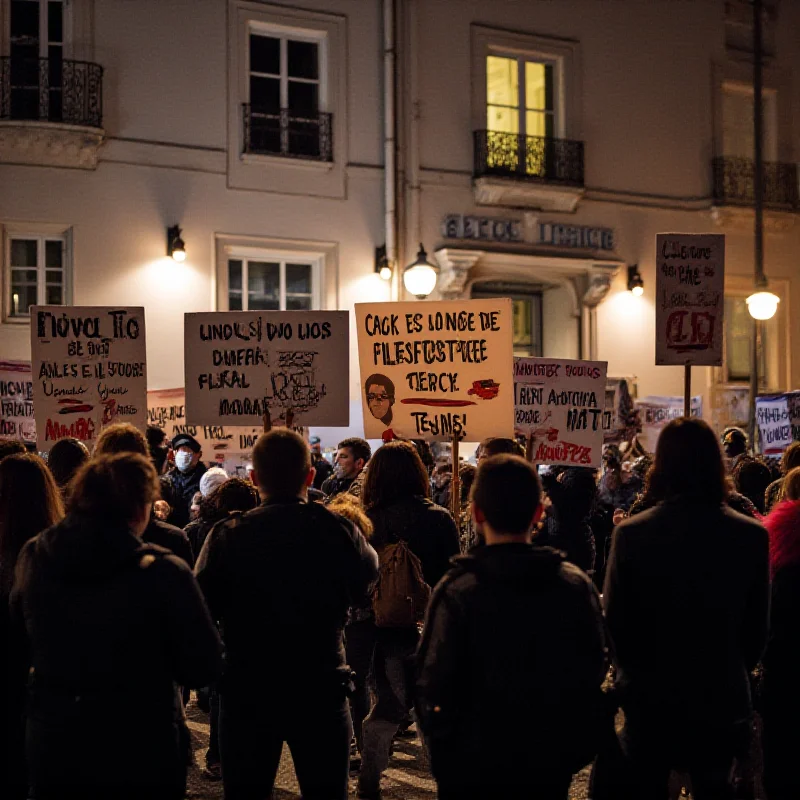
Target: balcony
[(51, 112), (529, 171), (286, 136), (734, 193)]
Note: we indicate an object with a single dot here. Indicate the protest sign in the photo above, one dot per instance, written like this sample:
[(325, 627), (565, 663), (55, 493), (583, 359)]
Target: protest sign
[(774, 423), (561, 405), (89, 370), (655, 412), (16, 401), (690, 280), (240, 364), (166, 408), (436, 370)]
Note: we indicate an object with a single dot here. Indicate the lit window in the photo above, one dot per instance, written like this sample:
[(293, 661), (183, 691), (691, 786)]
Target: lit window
[(37, 273), (264, 284)]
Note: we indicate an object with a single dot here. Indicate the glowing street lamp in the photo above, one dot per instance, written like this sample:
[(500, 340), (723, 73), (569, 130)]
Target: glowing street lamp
[(762, 305), (420, 277)]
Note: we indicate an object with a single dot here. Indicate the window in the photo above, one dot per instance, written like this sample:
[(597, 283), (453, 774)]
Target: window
[(286, 94), (36, 48), (737, 121), (519, 96), (739, 332), (270, 285), (526, 314), (37, 272)]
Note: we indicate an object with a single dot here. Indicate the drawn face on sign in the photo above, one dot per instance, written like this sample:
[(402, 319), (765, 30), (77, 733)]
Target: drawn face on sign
[(380, 397)]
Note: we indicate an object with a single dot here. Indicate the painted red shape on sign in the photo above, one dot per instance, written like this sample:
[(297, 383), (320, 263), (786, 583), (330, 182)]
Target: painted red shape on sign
[(690, 331)]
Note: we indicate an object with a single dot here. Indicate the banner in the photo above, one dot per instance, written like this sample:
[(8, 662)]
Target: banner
[(89, 370), (655, 412), (774, 424), (16, 401), (239, 364), (434, 370), (690, 282), (562, 405), (167, 409)]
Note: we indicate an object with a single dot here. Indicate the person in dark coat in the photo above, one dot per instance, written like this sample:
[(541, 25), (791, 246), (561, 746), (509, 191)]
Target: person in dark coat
[(125, 438), (789, 460), (396, 499), (351, 458), (179, 485), (322, 467), (687, 599), (30, 502), (280, 580), (100, 613), (506, 690), (780, 709), (751, 479), (567, 526), (64, 460)]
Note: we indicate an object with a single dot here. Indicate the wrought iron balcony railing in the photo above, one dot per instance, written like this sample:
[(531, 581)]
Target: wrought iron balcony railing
[(282, 134), (51, 90), (733, 183), (533, 158)]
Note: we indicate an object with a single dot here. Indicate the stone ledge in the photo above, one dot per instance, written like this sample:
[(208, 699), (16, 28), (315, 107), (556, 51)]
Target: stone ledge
[(742, 218), (491, 191), (49, 144)]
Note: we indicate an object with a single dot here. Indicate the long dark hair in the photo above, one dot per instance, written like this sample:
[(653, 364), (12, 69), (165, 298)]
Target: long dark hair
[(29, 503), (395, 473), (688, 464)]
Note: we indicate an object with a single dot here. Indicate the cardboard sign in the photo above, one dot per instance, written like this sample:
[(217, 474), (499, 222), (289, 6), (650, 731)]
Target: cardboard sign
[(690, 283), (16, 401), (434, 370), (167, 409), (239, 364), (655, 412), (561, 403), (89, 370), (774, 423)]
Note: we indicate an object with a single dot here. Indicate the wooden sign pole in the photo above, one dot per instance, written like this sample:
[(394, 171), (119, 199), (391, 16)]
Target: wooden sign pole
[(529, 448), (455, 483), (687, 390)]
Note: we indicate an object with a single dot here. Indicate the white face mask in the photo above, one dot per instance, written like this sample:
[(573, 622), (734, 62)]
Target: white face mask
[(183, 460)]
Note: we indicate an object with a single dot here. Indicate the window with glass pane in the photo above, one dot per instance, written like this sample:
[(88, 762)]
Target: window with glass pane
[(271, 285), (284, 76), (36, 273), (739, 332), (519, 100)]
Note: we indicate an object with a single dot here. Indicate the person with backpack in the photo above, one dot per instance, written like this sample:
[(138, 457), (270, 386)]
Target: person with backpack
[(415, 540), (513, 655), (279, 580)]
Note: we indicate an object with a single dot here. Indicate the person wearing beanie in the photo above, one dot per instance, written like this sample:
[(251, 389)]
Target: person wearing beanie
[(183, 480), (212, 478)]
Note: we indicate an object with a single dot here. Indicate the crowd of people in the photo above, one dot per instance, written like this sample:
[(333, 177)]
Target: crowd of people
[(330, 607)]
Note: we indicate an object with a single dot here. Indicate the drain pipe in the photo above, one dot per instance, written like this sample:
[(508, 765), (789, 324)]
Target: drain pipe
[(390, 145)]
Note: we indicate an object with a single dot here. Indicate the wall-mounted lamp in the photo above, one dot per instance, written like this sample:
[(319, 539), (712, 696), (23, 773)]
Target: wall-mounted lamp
[(420, 277), (763, 304), (175, 245), (635, 282), (382, 265)]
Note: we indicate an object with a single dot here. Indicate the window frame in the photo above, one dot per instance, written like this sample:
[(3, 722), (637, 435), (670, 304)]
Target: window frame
[(282, 258), (42, 234), (562, 54)]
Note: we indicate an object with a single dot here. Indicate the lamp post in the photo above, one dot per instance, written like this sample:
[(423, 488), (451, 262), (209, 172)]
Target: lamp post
[(420, 277), (762, 304)]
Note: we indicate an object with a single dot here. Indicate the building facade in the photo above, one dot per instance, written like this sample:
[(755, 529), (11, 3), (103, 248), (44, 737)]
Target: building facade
[(534, 148)]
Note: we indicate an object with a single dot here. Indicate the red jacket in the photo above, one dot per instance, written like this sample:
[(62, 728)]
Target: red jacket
[(783, 525)]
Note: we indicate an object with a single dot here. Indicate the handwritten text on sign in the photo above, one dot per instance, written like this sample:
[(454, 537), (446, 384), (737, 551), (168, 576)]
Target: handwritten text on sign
[(774, 423), (655, 412), (240, 364), (690, 282), (16, 401), (561, 404), (166, 408), (435, 370), (89, 370)]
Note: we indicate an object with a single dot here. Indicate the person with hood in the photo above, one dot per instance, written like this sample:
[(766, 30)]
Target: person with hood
[(29, 503), (789, 460), (397, 501), (64, 460), (506, 692), (125, 438), (100, 612), (687, 605), (734, 446), (781, 663), (179, 485), (280, 580)]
